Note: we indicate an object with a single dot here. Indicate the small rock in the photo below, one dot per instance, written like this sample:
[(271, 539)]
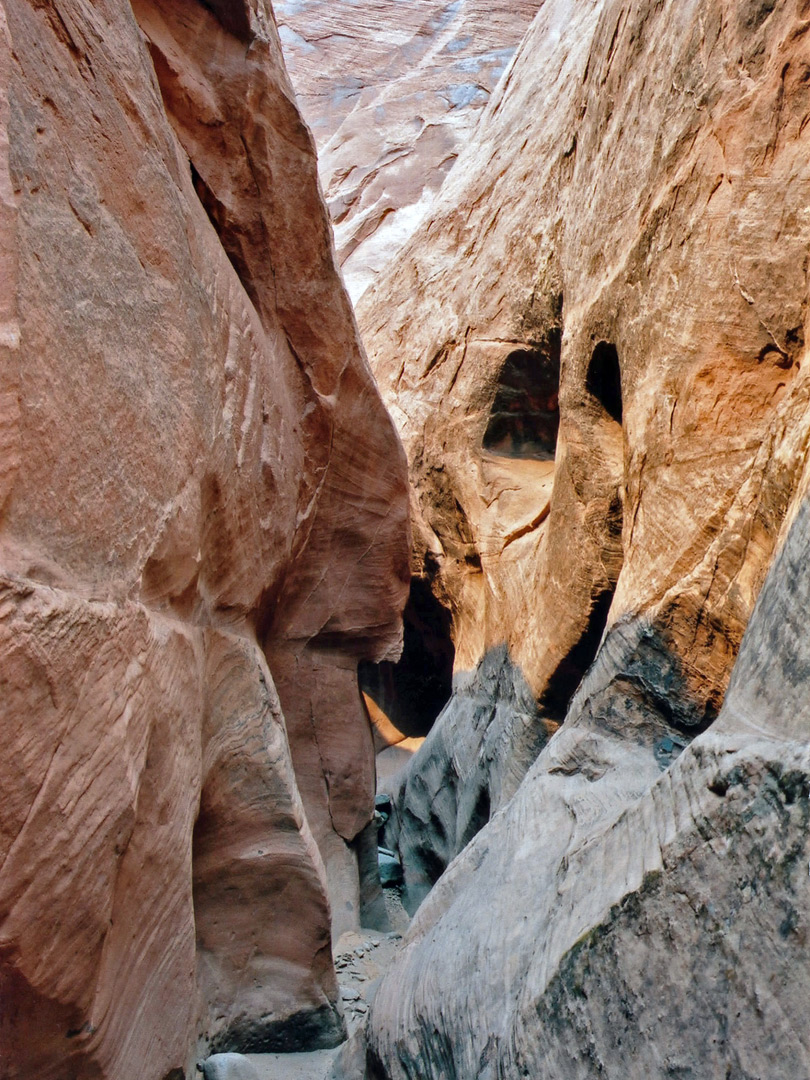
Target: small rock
[(361, 1007), (229, 1067), (348, 993), (359, 952)]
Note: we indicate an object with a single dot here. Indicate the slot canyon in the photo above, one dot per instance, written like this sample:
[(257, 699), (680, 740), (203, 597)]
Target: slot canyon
[(404, 539)]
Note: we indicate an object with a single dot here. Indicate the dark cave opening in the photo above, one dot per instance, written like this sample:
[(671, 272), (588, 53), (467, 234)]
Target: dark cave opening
[(413, 691), (604, 379), (525, 414)]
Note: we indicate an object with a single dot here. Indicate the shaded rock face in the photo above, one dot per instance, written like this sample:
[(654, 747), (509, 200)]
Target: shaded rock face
[(392, 92), (634, 193), (662, 921), (629, 212), (197, 478), (412, 692), (469, 766)]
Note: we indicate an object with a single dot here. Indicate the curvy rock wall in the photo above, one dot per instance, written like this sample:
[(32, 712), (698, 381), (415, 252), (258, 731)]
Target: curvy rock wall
[(392, 92), (648, 932), (648, 243), (198, 476), (631, 214)]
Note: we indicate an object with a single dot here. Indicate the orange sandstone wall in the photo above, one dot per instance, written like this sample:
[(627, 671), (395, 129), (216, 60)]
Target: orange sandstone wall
[(197, 475)]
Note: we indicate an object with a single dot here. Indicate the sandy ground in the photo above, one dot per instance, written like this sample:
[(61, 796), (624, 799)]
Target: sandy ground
[(314, 1066)]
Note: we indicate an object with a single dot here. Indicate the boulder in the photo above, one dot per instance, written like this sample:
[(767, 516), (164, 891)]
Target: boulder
[(229, 1067)]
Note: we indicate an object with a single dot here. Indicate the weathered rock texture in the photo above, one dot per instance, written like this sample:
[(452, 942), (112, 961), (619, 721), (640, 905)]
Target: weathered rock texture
[(632, 213), (469, 765), (392, 92), (197, 474), (660, 927)]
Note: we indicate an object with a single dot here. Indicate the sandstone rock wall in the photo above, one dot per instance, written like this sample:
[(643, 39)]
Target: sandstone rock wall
[(198, 477), (392, 92), (657, 933), (631, 214)]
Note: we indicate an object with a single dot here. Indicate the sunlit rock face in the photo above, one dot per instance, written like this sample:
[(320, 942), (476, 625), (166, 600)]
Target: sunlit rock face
[(203, 529), (392, 91), (631, 211)]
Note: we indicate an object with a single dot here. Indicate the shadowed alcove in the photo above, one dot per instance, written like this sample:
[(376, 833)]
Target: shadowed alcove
[(603, 385), (604, 379), (525, 413), (412, 692)]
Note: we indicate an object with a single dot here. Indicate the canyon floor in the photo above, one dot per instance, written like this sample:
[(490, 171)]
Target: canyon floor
[(361, 959)]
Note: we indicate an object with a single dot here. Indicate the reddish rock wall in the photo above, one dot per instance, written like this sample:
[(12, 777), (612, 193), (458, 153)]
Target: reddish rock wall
[(392, 92), (651, 252), (197, 474)]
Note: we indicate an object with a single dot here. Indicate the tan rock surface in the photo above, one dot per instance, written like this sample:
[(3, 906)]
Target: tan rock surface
[(666, 223), (392, 92), (633, 206), (196, 472)]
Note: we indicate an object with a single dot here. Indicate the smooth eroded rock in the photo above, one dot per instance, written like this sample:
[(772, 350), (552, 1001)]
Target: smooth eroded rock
[(229, 1067), (621, 238), (185, 487), (392, 92), (629, 211)]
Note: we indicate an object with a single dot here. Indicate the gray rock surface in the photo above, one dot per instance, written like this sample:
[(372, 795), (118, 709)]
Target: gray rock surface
[(468, 767), (646, 924), (229, 1067), (349, 1062)]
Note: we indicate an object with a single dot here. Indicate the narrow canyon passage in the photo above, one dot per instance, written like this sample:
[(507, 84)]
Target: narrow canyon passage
[(599, 386), (404, 418)]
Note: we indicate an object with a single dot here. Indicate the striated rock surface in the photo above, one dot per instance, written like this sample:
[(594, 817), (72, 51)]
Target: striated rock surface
[(392, 92), (469, 766), (646, 242), (197, 475), (661, 922), (625, 238)]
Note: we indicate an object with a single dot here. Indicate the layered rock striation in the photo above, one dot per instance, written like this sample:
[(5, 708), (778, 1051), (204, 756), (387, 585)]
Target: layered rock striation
[(392, 93), (595, 354), (203, 530)]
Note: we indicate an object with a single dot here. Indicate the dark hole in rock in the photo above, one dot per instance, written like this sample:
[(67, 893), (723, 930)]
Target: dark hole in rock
[(479, 816), (525, 414), (414, 691), (228, 232), (562, 684), (604, 379)]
